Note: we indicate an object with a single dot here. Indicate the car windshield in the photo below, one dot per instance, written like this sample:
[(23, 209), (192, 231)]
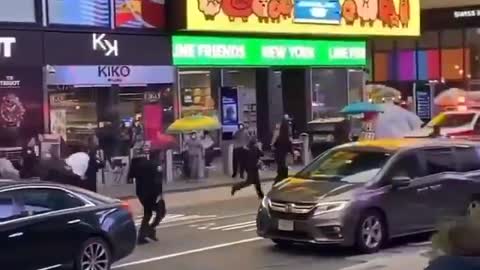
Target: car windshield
[(447, 120), (346, 165)]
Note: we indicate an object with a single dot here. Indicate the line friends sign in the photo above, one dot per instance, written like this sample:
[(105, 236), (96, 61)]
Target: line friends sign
[(317, 17)]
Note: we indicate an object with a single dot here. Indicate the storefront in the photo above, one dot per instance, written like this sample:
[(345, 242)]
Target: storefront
[(276, 67), (104, 83), (229, 76), (21, 95), (446, 55)]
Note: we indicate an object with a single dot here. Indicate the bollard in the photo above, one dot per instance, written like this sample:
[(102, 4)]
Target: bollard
[(306, 156), (169, 166), (228, 159)]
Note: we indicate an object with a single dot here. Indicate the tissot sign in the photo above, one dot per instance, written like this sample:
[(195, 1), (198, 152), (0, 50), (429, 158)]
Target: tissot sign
[(20, 48), (106, 49)]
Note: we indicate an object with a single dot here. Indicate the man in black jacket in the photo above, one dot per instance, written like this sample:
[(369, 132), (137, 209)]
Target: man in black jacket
[(149, 186)]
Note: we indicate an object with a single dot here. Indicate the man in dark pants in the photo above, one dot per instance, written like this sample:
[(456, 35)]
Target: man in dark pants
[(148, 180), (252, 159), (241, 139)]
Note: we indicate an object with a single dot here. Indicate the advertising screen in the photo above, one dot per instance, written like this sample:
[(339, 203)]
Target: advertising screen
[(140, 13), (79, 12), (320, 17), (224, 51)]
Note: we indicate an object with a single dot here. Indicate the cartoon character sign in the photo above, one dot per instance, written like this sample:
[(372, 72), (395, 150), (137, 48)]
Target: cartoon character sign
[(237, 9), (404, 12), (387, 13), (286, 8), (367, 11), (349, 11), (274, 11), (210, 8), (260, 8)]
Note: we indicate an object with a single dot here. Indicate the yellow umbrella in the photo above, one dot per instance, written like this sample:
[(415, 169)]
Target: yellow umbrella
[(194, 123)]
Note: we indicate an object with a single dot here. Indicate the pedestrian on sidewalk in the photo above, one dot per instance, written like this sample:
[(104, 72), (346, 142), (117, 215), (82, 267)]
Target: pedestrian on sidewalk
[(252, 163), (241, 140), (282, 147), (149, 188), (195, 155)]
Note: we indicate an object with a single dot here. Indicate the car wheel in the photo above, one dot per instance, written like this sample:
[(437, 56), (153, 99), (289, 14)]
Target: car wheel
[(473, 206), (94, 254), (371, 232), (282, 243)]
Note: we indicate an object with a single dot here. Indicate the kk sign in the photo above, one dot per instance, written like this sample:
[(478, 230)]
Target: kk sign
[(320, 17), (223, 51)]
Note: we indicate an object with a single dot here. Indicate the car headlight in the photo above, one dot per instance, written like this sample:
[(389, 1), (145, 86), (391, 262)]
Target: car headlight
[(265, 202), (328, 207)]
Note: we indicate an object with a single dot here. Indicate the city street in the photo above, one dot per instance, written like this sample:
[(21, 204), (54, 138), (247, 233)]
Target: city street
[(221, 235)]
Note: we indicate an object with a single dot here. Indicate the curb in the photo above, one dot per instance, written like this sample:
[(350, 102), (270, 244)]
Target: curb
[(189, 189)]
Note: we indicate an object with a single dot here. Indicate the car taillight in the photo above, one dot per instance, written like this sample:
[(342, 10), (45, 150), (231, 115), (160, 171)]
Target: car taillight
[(126, 206), (465, 133)]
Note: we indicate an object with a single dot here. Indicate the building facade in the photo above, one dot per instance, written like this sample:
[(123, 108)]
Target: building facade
[(446, 55), (303, 58)]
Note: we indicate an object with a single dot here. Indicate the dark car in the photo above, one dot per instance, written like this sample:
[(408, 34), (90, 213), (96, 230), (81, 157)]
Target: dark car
[(48, 226), (363, 194)]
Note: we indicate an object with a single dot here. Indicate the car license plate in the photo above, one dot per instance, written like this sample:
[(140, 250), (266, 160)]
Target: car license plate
[(285, 225)]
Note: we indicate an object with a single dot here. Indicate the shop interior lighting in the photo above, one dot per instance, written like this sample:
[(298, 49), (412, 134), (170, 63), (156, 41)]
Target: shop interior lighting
[(194, 72)]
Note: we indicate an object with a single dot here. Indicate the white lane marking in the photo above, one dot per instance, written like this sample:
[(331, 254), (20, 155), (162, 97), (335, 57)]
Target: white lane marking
[(206, 226), (170, 217), (188, 252), (203, 220), (51, 267), (240, 227), (250, 230), (185, 218), (408, 260), (231, 225)]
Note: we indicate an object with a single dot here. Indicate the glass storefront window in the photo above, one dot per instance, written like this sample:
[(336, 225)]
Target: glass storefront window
[(244, 80), (451, 39), (112, 114), (383, 44), (73, 113), (329, 93), (428, 56), (429, 40), (196, 95), (452, 64), (383, 60), (472, 58)]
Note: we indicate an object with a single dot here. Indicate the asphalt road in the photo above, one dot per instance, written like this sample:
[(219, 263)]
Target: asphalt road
[(221, 235)]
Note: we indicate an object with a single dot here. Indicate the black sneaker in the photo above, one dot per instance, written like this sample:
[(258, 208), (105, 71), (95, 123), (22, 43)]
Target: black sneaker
[(142, 241)]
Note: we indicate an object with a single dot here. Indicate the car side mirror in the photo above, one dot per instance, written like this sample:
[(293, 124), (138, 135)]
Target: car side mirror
[(401, 181)]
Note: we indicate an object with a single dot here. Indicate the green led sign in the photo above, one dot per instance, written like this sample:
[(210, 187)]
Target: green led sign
[(224, 51)]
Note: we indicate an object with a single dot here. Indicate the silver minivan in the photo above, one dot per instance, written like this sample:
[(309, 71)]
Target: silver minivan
[(363, 194)]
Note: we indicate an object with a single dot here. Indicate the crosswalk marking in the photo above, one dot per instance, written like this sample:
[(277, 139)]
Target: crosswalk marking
[(251, 229), (174, 218), (231, 225), (241, 227), (206, 226)]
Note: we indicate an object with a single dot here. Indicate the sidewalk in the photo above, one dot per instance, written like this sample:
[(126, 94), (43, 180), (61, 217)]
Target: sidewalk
[(215, 179), (413, 261)]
